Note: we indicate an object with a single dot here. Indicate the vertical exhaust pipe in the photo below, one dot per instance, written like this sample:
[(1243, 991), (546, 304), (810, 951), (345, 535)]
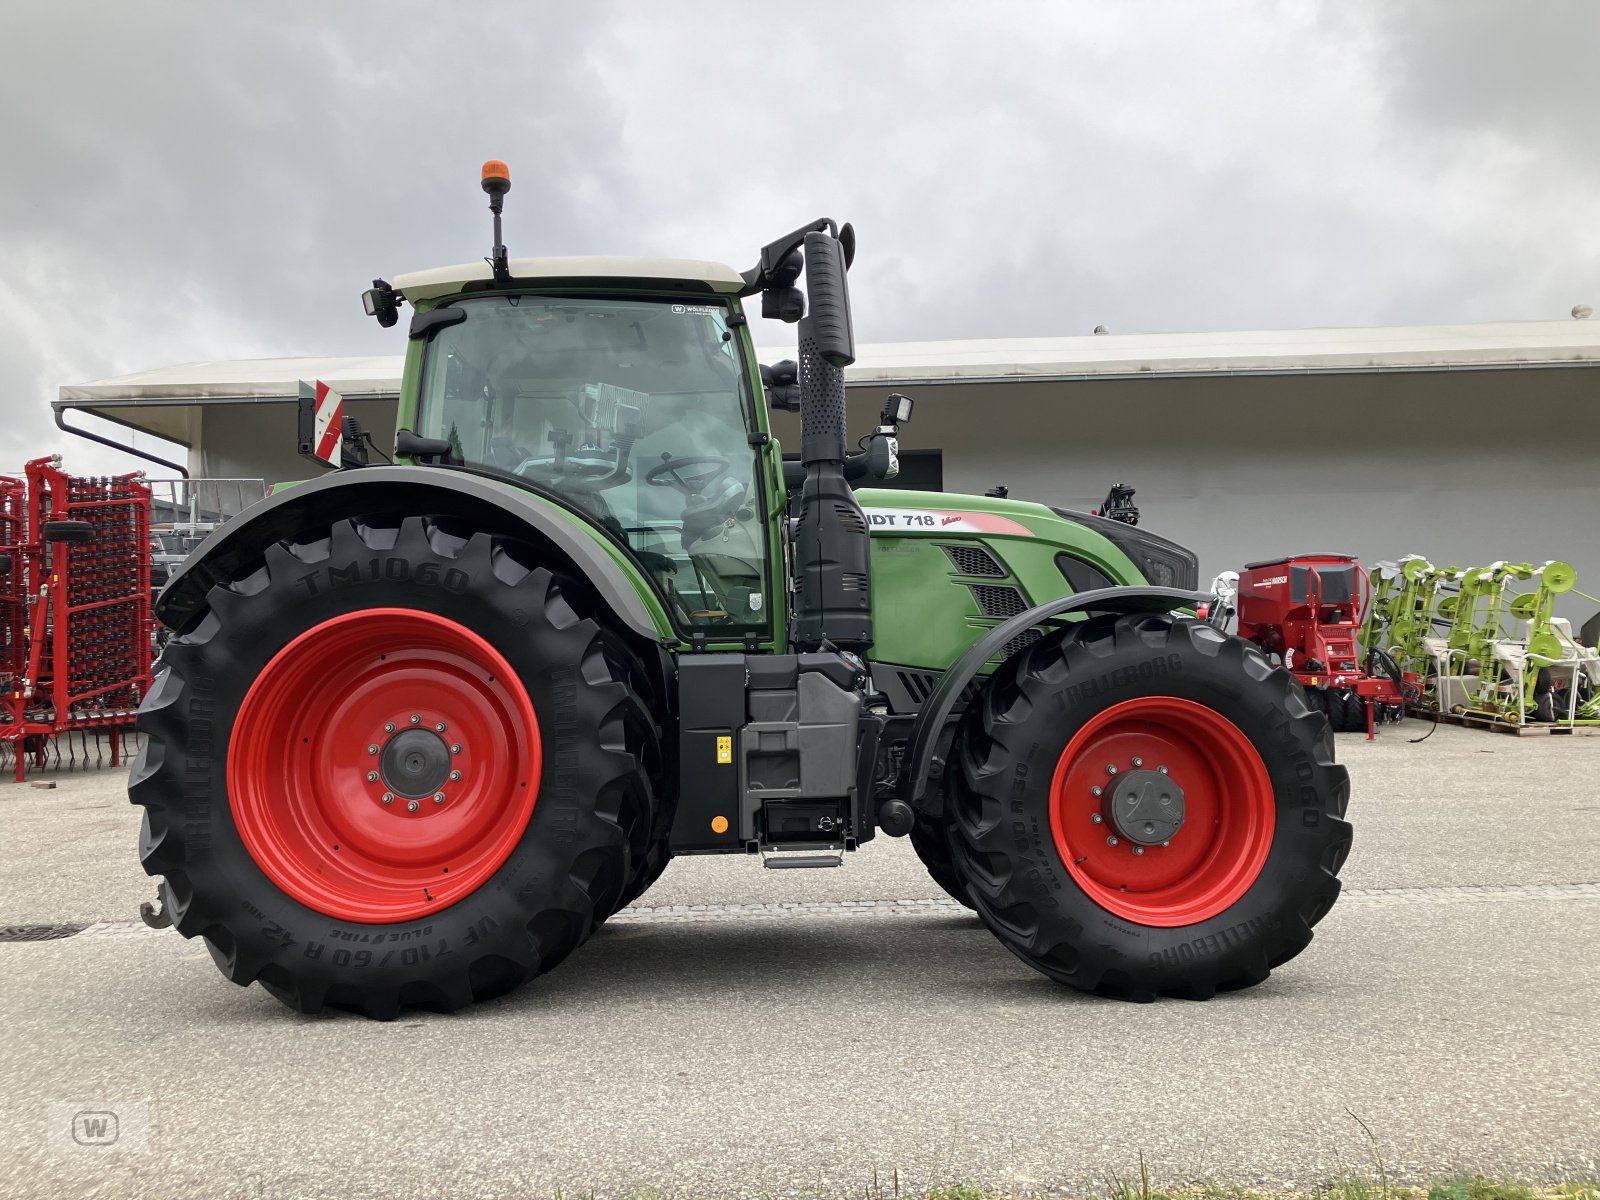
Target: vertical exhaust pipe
[(833, 588)]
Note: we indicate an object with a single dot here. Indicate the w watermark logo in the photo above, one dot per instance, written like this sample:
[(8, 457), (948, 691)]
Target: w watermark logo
[(98, 1127)]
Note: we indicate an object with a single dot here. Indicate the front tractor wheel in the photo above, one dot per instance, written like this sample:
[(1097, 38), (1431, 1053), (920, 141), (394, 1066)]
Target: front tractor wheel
[(1143, 806), (395, 765)]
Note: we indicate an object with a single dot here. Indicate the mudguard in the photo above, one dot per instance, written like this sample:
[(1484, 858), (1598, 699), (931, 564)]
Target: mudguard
[(233, 549), (936, 712)]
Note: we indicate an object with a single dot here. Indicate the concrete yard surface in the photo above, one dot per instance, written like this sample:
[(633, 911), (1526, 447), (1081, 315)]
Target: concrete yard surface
[(746, 1033)]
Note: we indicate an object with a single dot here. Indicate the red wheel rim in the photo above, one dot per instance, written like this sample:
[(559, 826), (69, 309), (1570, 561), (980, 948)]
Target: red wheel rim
[(1229, 812), (341, 718)]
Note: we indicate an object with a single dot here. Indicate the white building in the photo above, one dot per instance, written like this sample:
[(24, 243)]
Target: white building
[(1464, 443)]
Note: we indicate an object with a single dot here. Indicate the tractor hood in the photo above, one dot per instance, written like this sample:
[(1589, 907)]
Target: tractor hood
[(1159, 561)]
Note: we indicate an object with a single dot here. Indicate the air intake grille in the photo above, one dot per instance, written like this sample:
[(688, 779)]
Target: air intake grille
[(974, 560), (997, 601), (850, 519), (919, 685), (1026, 638)]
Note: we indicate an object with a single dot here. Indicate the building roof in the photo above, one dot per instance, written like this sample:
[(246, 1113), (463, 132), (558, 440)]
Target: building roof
[(441, 281), (134, 399), (239, 379), (1503, 344)]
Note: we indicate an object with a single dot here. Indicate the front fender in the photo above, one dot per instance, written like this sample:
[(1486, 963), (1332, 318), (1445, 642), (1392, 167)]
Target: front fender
[(234, 549), (931, 719)]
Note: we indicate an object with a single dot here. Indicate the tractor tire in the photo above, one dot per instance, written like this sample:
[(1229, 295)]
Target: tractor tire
[(931, 840), (1338, 711), (1355, 713), (1317, 701), (649, 864), (1333, 705), (304, 727), (71, 532), (1216, 900)]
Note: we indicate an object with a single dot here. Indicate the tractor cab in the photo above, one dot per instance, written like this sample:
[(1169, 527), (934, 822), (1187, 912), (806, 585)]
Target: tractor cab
[(635, 408)]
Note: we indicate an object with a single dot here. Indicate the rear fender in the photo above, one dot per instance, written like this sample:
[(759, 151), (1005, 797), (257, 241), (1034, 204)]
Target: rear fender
[(931, 720), (235, 549)]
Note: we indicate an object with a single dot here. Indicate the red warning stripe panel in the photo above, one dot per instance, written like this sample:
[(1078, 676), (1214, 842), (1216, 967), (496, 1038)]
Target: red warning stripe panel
[(329, 426)]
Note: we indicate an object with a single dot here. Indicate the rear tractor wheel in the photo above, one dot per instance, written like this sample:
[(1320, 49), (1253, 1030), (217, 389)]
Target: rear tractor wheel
[(395, 765), (1144, 806)]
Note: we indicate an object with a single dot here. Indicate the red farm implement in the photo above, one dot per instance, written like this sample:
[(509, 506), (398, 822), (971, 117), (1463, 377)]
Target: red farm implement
[(75, 625), (1306, 611)]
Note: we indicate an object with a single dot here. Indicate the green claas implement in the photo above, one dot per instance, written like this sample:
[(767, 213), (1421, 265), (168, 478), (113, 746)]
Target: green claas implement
[(422, 727)]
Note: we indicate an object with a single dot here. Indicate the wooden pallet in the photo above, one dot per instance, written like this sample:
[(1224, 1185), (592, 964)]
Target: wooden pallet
[(1535, 729)]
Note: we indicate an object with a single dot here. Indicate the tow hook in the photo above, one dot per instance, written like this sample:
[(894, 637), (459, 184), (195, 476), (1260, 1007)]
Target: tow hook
[(155, 915)]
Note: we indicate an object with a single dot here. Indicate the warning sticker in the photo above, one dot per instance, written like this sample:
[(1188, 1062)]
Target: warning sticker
[(725, 749)]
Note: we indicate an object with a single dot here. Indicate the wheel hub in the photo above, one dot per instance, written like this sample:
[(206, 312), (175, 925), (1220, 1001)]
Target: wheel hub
[(415, 763), (360, 772), (1162, 864), (1145, 807)]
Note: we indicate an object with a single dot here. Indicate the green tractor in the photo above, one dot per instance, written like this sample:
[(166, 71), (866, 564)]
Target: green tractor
[(422, 727)]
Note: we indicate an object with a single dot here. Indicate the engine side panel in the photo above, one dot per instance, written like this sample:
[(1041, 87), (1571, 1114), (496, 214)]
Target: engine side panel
[(946, 569)]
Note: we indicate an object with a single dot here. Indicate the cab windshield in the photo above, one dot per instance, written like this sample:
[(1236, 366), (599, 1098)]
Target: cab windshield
[(635, 411)]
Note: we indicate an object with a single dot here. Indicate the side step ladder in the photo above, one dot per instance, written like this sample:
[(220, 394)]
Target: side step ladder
[(790, 862)]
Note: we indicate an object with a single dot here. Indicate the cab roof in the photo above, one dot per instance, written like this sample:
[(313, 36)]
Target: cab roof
[(689, 273)]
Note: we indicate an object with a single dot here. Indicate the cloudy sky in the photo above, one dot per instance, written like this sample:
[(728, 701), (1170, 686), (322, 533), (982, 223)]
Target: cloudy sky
[(183, 181)]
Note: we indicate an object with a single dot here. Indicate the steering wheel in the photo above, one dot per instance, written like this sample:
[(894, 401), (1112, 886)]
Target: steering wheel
[(692, 476)]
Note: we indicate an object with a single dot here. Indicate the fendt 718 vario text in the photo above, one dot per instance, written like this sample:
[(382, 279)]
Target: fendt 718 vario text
[(422, 727)]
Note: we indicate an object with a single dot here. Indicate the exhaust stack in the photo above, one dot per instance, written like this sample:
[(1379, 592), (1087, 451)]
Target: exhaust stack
[(833, 594)]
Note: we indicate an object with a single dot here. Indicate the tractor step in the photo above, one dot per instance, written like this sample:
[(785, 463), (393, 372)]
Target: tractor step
[(788, 862)]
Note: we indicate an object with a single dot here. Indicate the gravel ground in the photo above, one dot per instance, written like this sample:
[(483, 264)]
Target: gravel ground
[(763, 1033)]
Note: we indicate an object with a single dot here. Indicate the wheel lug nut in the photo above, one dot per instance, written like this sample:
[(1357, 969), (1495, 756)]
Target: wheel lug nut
[(455, 776), (455, 747), (372, 749), (438, 797), (1095, 818), (388, 797), (1163, 770), (1166, 843), (412, 805), (1111, 841), (388, 726), (1138, 850), (1137, 761), (372, 777), (440, 727), (1095, 790), (416, 718), (1111, 768)]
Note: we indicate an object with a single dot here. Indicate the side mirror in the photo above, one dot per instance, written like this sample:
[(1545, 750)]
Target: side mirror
[(782, 381)]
